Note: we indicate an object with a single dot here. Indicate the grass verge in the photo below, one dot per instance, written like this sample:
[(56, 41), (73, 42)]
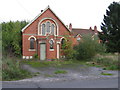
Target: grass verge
[(106, 61), (11, 70), (60, 72), (56, 63), (106, 74)]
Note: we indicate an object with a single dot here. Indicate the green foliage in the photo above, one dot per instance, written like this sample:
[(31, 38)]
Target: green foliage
[(113, 67), (60, 72), (111, 28), (57, 63), (11, 37), (88, 48), (107, 62), (35, 56), (106, 74), (11, 70), (67, 49)]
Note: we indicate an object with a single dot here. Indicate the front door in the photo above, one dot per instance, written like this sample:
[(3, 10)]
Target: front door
[(42, 51)]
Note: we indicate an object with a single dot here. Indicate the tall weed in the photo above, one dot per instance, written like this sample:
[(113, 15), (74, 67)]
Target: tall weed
[(11, 70)]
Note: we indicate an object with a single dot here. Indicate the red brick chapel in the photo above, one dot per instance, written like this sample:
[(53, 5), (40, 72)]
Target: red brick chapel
[(44, 36)]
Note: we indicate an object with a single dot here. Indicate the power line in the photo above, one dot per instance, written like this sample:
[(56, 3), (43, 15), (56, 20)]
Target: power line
[(24, 8)]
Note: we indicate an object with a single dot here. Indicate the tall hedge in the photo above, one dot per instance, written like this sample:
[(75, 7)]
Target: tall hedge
[(11, 37)]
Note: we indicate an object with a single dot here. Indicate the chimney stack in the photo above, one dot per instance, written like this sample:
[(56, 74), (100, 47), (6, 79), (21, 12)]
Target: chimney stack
[(95, 29), (90, 28), (70, 27)]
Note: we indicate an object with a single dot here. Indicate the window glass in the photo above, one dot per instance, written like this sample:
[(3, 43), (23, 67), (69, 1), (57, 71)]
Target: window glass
[(32, 43), (52, 29), (48, 27), (51, 44), (43, 29)]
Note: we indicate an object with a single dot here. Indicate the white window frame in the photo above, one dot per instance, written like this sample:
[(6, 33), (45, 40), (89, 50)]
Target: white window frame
[(56, 25), (32, 37), (41, 28), (29, 40), (49, 43)]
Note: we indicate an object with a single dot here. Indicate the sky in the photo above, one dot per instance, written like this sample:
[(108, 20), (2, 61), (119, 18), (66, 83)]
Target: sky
[(81, 13)]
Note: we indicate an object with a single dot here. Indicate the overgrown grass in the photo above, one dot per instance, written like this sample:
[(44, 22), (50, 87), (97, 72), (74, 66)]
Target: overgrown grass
[(106, 74), (60, 72), (108, 62), (11, 70), (56, 63), (104, 61)]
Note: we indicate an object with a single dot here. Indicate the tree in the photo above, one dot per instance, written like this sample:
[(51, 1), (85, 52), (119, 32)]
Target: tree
[(110, 27), (11, 37)]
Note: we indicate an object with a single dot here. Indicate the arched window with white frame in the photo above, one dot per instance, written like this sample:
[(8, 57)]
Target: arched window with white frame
[(32, 41), (43, 29), (48, 26)]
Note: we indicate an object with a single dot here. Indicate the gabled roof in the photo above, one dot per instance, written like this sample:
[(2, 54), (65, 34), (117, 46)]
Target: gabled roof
[(48, 7), (80, 31)]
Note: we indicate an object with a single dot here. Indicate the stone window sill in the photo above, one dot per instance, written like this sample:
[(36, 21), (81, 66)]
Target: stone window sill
[(32, 49), (51, 49)]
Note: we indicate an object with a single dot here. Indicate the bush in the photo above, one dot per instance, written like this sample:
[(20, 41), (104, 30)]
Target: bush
[(67, 49), (88, 48), (35, 56), (113, 67), (11, 70), (108, 63)]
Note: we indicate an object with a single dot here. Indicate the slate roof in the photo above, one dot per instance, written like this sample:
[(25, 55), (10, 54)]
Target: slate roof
[(80, 31)]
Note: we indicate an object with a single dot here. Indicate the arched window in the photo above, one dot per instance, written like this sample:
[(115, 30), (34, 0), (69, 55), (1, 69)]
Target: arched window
[(52, 29), (43, 29), (51, 44), (32, 40), (48, 27), (63, 43)]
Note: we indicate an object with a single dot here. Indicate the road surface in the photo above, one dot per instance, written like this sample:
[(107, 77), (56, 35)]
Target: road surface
[(95, 83)]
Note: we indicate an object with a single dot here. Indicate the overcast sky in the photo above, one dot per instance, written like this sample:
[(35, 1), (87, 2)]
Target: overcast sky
[(81, 13)]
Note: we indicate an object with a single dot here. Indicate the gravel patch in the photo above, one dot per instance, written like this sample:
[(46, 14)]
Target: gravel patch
[(80, 72)]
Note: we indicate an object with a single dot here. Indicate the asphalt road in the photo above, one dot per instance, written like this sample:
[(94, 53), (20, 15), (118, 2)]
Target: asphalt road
[(95, 83)]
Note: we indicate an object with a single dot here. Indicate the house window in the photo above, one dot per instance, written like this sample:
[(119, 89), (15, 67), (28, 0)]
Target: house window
[(43, 29), (48, 27), (52, 29), (32, 43), (51, 44)]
